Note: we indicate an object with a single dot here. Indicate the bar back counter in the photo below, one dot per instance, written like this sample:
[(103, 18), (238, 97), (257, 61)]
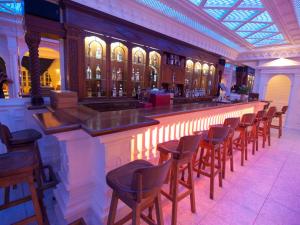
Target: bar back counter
[(93, 143)]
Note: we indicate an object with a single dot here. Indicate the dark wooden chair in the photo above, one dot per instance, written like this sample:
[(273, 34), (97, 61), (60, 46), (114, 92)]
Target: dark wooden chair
[(279, 115), (26, 140), (181, 153), (138, 185), (245, 128), (210, 154), (16, 168), (264, 129)]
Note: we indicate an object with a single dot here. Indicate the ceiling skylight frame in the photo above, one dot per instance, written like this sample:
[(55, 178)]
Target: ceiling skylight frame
[(15, 7), (246, 18)]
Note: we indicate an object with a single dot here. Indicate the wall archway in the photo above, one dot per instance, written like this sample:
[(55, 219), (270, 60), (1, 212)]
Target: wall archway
[(50, 71), (278, 90), (3, 69)]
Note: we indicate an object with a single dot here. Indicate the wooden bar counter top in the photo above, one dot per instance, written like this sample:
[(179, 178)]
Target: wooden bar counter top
[(100, 123)]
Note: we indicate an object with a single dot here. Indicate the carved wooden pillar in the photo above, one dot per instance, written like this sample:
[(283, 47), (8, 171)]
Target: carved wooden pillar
[(108, 68), (74, 60), (129, 83), (33, 40), (218, 77)]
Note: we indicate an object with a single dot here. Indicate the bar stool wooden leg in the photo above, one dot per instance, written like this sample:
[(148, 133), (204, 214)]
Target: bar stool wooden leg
[(35, 201), (220, 167), (113, 209), (269, 135), (224, 158), (191, 186), (231, 155), (280, 127), (200, 161), (6, 195), (212, 173), (243, 147), (136, 215), (246, 144), (158, 208), (174, 194)]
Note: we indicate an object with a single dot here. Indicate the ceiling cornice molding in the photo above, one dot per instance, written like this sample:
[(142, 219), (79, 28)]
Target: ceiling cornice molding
[(270, 53)]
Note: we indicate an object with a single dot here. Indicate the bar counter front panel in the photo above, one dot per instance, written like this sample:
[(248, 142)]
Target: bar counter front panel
[(85, 159)]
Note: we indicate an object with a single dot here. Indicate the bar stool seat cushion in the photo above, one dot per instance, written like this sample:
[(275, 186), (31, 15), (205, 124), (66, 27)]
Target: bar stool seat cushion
[(168, 147), (24, 136), (121, 178), (15, 163)]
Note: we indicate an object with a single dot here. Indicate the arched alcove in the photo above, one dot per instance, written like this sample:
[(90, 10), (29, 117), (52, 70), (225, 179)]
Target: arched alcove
[(3, 69), (50, 76), (278, 90)]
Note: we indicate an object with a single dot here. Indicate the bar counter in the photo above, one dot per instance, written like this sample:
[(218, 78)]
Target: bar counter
[(100, 123), (92, 143)]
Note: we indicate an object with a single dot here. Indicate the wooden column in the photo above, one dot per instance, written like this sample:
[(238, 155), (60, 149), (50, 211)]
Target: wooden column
[(74, 60), (129, 70), (218, 76), (33, 40), (147, 70), (108, 67)]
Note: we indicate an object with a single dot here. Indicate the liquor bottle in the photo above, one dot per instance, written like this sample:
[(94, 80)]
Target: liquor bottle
[(133, 92), (119, 74), (137, 75), (98, 72), (154, 76), (132, 75), (114, 91), (88, 73), (98, 53), (171, 60), (139, 90), (114, 75), (89, 92), (121, 91), (119, 56), (98, 89), (139, 59)]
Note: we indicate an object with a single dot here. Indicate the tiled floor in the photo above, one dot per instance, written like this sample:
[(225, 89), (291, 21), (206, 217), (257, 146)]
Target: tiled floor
[(266, 191)]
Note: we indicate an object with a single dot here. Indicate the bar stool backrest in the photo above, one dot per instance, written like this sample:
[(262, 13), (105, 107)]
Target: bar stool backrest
[(188, 145), (232, 122), (5, 134), (150, 179), (260, 114), (248, 118), (271, 112), (218, 134), (284, 109)]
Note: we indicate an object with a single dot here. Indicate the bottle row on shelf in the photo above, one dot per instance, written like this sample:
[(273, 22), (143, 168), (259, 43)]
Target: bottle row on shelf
[(89, 73)]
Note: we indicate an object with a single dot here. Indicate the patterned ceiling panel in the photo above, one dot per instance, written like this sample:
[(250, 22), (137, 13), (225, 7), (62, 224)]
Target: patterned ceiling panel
[(11, 6), (248, 19)]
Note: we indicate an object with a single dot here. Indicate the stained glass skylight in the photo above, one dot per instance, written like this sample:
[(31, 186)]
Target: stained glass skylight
[(168, 11), (264, 17), (241, 15), (260, 35), (252, 26), (196, 2), (232, 25), (243, 34), (297, 9), (220, 3), (251, 4), (277, 37), (216, 13), (249, 19), (12, 6), (272, 28)]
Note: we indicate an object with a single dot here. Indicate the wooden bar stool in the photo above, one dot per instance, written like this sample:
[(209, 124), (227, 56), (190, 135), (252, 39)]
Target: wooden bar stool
[(258, 120), (227, 150), (26, 140), (240, 143), (19, 167), (279, 116), (212, 142), (181, 152), (264, 129), (138, 185)]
